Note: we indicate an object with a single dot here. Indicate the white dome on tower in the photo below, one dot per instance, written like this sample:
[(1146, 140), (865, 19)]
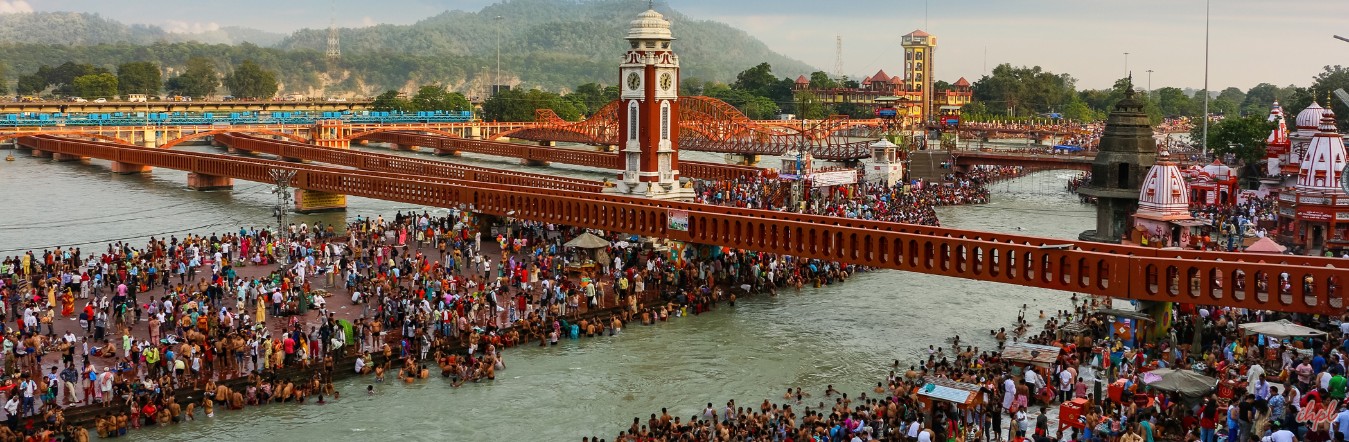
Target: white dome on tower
[(649, 25), (1324, 160), (1310, 118), (1164, 196)]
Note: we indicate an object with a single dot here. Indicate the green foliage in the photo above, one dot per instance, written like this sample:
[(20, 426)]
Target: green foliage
[(91, 86), (821, 80), (30, 84), (1018, 91), (1259, 98), (199, 79), (1330, 79), (517, 105), (1078, 110), (590, 97), (1173, 102), (138, 77), (389, 101), (1243, 137), (251, 81), (436, 98)]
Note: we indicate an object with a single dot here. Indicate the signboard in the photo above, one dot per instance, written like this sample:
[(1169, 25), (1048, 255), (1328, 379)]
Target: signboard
[(1313, 215), (834, 178), (679, 220), (887, 112), (1210, 197)]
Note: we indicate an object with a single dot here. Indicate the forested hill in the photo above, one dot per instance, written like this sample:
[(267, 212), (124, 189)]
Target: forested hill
[(551, 44), (539, 35), (82, 29)]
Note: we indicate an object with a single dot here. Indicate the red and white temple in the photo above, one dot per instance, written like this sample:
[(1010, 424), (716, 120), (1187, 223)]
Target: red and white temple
[(1314, 212), (1163, 218)]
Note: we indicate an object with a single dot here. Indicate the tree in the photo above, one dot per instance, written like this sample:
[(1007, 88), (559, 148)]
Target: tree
[(199, 79), (139, 77), (30, 84), (1259, 98), (102, 85), (1173, 102), (1332, 78), (436, 98), (590, 97), (1244, 137), (251, 81), (389, 101), (517, 105), (821, 80), (1078, 110), (1021, 90)]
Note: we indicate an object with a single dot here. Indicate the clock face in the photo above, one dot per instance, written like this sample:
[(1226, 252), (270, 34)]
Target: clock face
[(666, 81), (634, 81)]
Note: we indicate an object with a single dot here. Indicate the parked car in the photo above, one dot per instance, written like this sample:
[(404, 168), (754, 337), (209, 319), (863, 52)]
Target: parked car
[(77, 100), (100, 100)]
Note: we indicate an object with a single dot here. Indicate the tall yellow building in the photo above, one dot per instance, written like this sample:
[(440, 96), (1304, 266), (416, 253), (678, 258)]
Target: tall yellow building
[(919, 48)]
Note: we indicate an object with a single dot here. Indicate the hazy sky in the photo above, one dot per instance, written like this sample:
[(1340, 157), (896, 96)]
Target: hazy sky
[(1252, 41)]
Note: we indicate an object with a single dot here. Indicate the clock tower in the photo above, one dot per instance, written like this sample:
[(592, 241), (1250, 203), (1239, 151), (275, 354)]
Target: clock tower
[(648, 114)]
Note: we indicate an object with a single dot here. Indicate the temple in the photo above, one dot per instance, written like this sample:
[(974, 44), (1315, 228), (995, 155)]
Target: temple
[(1314, 211)]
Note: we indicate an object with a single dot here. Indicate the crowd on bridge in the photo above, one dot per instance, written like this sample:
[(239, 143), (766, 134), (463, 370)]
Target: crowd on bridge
[(914, 203)]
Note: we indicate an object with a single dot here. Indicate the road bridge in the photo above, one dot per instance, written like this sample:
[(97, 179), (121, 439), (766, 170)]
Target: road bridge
[(542, 155), (378, 162), (1209, 278), (46, 107)]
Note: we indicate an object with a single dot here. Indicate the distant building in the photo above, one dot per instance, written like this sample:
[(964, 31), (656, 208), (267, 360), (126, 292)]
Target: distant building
[(911, 94)]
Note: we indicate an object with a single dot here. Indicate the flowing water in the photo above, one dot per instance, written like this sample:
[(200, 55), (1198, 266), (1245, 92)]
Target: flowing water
[(844, 334)]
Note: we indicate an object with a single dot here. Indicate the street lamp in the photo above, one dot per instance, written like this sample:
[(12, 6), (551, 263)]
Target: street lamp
[(496, 86), (1206, 94), (1126, 64), (1149, 81)]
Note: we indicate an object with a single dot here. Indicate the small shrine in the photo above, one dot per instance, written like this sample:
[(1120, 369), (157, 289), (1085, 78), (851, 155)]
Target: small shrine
[(1163, 218)]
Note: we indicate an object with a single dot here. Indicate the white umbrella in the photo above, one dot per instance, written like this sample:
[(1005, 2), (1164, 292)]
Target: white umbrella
[(1282, 328)]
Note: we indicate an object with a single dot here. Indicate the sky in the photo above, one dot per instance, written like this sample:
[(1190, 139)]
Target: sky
[(1251, 41)]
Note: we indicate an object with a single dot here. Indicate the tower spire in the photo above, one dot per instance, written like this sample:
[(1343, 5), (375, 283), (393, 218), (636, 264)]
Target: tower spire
[(334, 46)]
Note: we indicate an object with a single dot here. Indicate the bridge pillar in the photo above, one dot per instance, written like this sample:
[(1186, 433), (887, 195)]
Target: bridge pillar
[(197, 181), (41, 153), (547, 144), (453, 153), (66, 157), (530, 162), (363, 142), (474, 133), (746, 159), (606, 148), (312, 201), (405, 147), (128, 168), (215, 142)]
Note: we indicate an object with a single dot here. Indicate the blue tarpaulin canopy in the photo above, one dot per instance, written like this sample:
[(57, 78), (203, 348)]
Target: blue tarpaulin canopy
[(1067, 148)]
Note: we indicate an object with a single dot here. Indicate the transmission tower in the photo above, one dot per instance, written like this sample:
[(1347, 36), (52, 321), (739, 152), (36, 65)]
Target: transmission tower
[(838, 57), (334, 45)]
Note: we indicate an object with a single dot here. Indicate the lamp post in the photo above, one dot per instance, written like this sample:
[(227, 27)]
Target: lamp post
[(1126, 64), (1149, 81), (496, 86), (1204, 141)]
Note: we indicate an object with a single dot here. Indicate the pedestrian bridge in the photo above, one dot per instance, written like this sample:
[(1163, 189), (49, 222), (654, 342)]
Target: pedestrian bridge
[(1209, 278)]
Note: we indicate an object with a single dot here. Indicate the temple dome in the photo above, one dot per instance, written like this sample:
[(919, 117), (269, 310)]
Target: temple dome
[(1324, 160), (649, 25), (1164, 195), (1310, 118), (1279, 136)]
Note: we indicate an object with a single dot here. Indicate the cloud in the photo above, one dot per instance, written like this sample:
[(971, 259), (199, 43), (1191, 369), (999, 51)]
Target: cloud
[(14, 7), (182, 27)]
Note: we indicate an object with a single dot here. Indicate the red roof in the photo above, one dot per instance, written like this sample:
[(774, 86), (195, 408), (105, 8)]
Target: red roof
[(896, 80), (880, 76), (918, 33), (962, 82), (802, 80)]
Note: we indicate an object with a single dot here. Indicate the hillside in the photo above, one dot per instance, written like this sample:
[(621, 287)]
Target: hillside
[(82, 29), (549, 44), (538, 31)]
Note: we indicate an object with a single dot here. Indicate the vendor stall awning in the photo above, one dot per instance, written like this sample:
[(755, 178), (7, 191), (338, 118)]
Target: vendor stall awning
[(1040, 355), (950, 391)]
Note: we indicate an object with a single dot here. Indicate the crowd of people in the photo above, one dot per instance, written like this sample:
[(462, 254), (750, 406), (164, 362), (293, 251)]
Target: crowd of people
[(914, 203), (1261, 387), (133, 326)]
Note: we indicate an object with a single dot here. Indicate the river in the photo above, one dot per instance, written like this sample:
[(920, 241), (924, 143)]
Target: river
[(845, 334)]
